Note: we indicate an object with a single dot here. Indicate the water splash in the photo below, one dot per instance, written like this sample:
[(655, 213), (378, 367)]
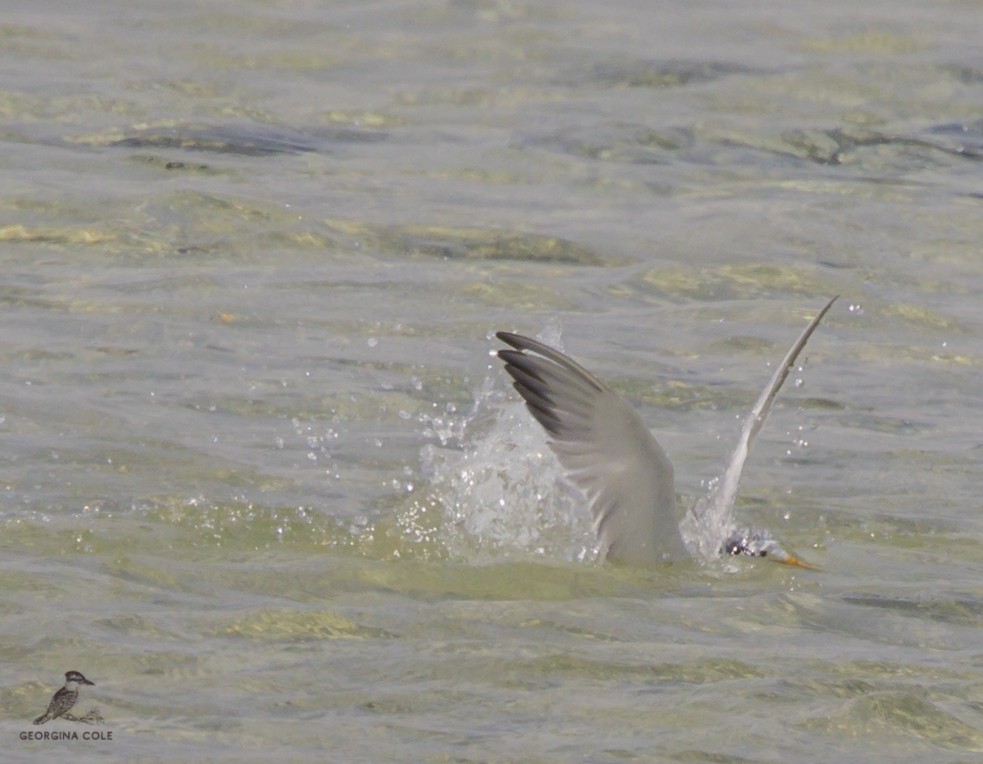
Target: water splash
[(495, 487), (708, 523)]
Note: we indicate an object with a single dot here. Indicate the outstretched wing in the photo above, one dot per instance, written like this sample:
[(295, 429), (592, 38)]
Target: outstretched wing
[(716, 508), (607, 449)]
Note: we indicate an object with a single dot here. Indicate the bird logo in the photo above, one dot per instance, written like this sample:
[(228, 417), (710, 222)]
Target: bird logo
[(66, 697)]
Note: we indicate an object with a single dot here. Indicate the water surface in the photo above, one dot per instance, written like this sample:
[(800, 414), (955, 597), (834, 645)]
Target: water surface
[(265, 486)]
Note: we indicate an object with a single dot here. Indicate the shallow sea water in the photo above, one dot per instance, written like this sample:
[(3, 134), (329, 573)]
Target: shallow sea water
[(265, 486)]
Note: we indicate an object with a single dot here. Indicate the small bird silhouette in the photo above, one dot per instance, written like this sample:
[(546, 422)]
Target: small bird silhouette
[(63, 700)]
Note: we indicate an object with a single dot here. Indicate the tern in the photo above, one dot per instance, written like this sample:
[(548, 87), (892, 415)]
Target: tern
[(626, 476)]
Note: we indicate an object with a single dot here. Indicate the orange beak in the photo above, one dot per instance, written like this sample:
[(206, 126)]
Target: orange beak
[(791, 559)]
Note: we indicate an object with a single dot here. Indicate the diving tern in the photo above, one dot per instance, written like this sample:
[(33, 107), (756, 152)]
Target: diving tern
[(612, 457)]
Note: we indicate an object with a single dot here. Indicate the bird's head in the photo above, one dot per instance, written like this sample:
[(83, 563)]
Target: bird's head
[(76, 676), (748, 543)]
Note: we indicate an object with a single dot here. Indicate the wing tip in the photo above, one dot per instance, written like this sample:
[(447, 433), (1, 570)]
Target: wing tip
[(510, 338)]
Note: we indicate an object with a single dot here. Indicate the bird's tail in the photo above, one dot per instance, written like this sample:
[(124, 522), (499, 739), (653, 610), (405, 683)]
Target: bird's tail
[(42, 718)]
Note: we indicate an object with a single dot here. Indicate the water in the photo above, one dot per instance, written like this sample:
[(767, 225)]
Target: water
[(264, 485)]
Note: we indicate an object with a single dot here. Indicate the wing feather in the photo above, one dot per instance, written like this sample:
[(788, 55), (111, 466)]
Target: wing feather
[(607, 450), (716, 509)]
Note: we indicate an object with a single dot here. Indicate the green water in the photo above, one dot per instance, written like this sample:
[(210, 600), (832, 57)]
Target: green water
[(254, 255)]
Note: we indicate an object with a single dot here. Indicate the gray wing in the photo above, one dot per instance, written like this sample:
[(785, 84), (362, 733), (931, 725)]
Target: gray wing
[(607, 450), (717, 507)]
